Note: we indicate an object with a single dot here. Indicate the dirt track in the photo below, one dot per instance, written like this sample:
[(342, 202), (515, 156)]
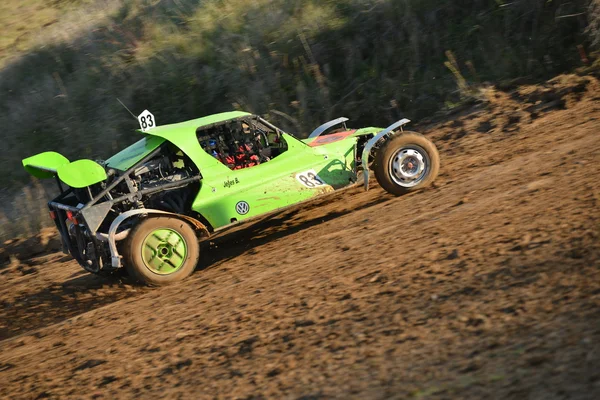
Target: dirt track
[(486, 285)]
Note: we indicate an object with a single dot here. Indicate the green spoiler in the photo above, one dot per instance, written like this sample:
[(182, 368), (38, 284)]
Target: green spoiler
[(44, 165), (77, 174)]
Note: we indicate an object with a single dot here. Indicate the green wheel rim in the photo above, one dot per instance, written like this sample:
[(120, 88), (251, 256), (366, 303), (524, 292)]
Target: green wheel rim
[(164, 251)]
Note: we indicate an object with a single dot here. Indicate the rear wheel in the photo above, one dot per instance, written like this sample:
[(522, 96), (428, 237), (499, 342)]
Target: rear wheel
[(406, 163), (161, 250)]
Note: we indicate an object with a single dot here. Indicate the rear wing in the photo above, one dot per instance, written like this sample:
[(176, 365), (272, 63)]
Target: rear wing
[(77, 174), (45, 165)]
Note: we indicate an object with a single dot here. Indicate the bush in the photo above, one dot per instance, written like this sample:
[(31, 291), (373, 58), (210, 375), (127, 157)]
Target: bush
[(297, 62)]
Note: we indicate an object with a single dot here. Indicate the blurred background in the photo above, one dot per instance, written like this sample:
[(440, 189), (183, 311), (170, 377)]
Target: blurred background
[(64, 63)]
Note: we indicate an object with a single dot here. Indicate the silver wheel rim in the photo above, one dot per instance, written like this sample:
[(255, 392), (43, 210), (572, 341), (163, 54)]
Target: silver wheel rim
[(409, 166)]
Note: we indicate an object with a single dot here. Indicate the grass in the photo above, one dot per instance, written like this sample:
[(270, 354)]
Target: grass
[(26, 24), (64, 63), (20, 21)]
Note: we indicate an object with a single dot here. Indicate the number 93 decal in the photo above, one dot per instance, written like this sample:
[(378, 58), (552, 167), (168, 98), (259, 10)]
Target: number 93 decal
[(310, 179)]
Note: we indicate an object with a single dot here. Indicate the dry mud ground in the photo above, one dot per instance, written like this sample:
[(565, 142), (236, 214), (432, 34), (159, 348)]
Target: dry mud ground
[(484, 286)]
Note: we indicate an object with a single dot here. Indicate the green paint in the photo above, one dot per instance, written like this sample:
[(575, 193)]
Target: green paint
[(81, 173), (173, 132), (183, 135), (77, 174), (44, 165), (127, 157), (267, 187), (164, 251), (271, 185)]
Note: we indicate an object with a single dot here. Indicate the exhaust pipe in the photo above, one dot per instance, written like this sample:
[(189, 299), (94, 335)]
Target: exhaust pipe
[(119, 236)]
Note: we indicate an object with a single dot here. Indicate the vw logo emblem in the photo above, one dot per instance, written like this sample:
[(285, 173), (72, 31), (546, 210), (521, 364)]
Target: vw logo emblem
[(242, 208)]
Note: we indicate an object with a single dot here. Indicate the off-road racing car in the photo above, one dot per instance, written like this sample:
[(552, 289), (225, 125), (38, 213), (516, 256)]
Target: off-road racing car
[(146, 207)]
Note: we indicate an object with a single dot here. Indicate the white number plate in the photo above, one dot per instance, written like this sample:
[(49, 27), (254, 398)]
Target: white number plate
[(310, 179), (146, 120)]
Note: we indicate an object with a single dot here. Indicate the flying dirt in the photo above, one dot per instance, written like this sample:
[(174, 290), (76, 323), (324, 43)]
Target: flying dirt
[(486, 284)]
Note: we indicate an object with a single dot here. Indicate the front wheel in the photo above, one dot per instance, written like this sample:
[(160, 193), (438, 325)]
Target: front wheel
[(405, 163), (161, 250)]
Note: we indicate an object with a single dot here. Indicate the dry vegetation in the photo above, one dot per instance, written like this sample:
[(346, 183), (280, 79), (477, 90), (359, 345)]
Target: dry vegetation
[(299, 62)]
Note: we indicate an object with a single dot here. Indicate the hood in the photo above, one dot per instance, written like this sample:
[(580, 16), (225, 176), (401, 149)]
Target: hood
[(127, 157)]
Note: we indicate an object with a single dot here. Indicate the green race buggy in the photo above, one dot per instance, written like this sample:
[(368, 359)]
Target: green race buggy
[(146, 207)]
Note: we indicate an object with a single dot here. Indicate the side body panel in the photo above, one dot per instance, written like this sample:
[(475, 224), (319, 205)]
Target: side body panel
[(296, 175)]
